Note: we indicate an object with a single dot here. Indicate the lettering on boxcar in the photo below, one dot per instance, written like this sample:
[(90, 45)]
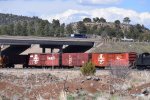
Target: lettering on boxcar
[(119, 57), (35, 59), (83, 62), (51, 58), (70, 59), (101, 59)]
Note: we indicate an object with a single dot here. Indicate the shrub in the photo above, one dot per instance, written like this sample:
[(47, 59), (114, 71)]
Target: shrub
[(70, 97), (88, 69)]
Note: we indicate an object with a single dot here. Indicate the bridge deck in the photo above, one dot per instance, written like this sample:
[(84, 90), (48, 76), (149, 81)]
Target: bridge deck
[(28, 40)]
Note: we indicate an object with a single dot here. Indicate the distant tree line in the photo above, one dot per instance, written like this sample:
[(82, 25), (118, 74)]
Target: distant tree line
[(26, 26)]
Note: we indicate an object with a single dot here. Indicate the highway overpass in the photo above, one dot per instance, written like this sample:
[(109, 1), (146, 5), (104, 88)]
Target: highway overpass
[(18, 44)]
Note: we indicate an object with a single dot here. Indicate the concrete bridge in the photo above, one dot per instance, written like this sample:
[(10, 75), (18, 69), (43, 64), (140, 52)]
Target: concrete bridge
[(18, 44)]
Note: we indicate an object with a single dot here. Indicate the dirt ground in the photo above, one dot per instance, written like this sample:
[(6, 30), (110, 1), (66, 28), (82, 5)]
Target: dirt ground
[(47, 84)]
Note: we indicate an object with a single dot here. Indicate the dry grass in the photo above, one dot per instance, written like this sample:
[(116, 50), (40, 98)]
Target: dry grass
[(63, 95), (139, 77), (123, 47)]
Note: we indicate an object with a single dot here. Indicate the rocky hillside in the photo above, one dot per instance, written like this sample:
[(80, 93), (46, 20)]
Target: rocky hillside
[(118, 29)]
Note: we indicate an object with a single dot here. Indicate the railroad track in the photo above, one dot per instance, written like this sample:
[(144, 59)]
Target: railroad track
[(66, 69)]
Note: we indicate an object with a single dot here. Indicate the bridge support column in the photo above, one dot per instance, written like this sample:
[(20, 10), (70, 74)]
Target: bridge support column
[(60, 56), (43, 50), (52, 49), (0, 50), (1, 60), (60, 50)]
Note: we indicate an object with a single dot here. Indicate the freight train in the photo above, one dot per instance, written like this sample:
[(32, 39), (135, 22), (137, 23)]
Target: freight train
[(100, 60)]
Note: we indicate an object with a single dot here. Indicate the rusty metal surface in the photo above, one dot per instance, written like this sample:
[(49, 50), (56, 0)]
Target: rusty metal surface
[(74, 59), (113, 59), (43, 59)]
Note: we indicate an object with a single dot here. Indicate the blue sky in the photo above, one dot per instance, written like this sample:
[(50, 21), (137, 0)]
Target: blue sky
[(74, 10)]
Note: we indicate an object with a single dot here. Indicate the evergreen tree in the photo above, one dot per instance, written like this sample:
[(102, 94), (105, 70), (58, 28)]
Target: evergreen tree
[(85, 20), (40, 29), (102, 20), (62, 29), (18, 29), (46, 30), (96, 19), (126, 20), (69, 29), (117, 27), (24, 28), (56, 26), (81, 27), (31, 28), (4, 30), (10, 29)]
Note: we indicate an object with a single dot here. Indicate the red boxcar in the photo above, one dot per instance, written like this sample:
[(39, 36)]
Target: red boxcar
[(74, 59), (113, 59), (43, 59)]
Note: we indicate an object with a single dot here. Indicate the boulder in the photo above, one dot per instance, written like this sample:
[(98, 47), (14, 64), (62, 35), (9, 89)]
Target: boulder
[(88, 78)]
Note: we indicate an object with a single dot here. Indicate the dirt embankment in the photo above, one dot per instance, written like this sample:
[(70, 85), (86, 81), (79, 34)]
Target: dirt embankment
[(47, 85)]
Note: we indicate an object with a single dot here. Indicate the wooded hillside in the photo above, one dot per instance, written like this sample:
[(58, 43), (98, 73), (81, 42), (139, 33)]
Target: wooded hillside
[(25, 26)]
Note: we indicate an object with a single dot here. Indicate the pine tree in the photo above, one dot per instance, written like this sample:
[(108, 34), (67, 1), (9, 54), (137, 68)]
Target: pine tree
[(46, 30), (81, 27), (10, 29), (62, 29), (31, 28), (69, 29), (24, 28), (18, 29)]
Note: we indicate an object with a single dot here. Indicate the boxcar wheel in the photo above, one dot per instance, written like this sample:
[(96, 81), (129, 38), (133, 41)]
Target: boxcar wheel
[(141, 67), (25, 66), (12, 66)]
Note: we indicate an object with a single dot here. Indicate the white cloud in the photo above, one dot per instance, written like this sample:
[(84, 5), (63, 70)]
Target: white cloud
[(113, 13), (67, 16), (110, 14), (99, 1)]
